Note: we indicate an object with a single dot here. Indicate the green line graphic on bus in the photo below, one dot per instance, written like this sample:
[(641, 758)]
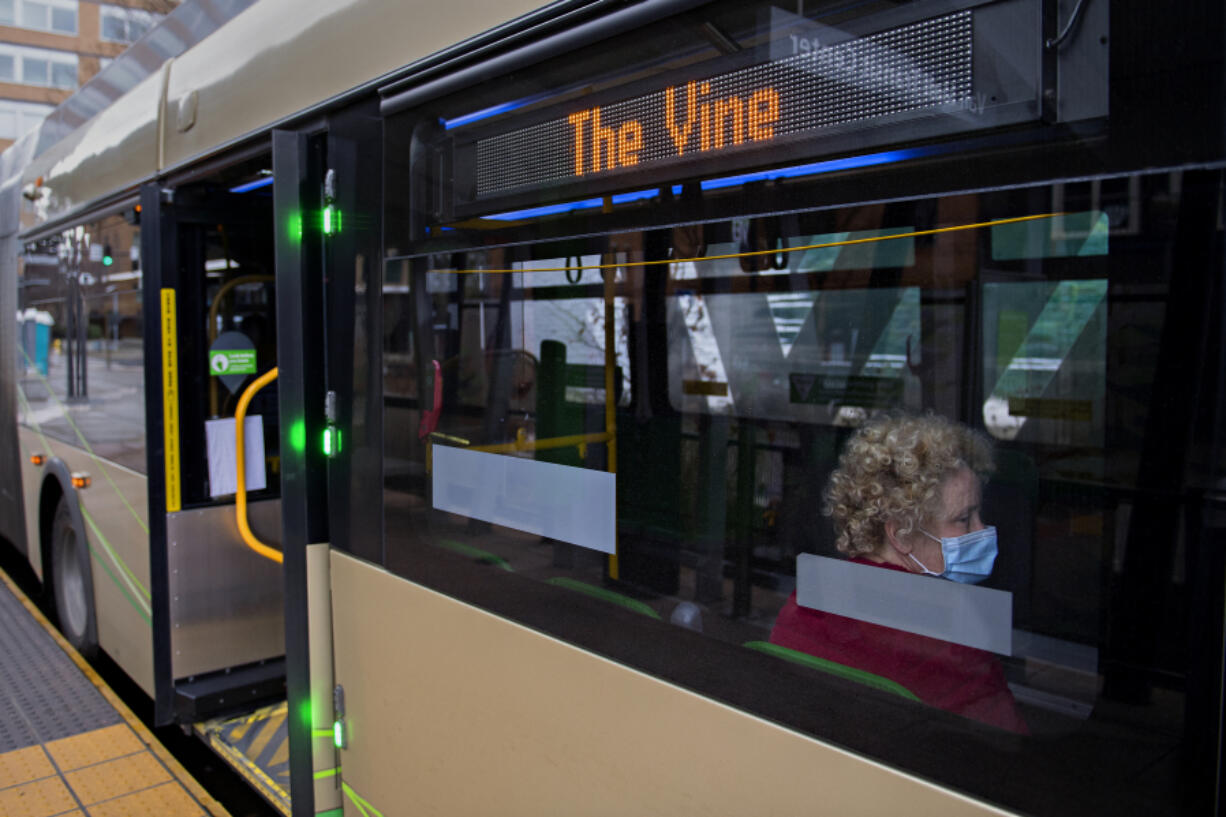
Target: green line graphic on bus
[(64, 412)]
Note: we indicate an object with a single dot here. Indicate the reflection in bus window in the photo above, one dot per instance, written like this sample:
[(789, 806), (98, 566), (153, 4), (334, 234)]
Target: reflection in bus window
[(87, 386), (826, 357), (736, 385)]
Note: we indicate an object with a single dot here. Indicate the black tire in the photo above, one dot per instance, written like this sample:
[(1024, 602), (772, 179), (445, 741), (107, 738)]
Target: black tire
[(72, 580)]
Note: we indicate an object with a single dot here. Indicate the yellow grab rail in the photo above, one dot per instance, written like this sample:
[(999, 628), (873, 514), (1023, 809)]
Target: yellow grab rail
[(522, 443), (240, 462)]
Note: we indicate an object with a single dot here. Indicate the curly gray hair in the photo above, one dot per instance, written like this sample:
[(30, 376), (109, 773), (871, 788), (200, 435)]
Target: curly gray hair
[(893, 468)]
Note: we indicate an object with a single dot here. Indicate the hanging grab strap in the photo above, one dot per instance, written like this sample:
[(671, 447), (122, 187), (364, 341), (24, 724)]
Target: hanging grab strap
[(240, 462)]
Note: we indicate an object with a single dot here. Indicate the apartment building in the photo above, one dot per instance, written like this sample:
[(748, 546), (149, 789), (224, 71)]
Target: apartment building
[(49, 48)]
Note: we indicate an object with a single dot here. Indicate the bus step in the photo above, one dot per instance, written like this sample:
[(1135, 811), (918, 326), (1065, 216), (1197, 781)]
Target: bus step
[(238, 689)]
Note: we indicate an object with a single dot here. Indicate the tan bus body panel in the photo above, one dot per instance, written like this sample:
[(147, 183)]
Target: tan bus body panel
[(458, 711), (111, 152), (271, 62), (122, 632), (282, 56)]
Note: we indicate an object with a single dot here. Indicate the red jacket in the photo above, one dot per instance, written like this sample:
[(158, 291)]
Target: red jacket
[(963, 680)]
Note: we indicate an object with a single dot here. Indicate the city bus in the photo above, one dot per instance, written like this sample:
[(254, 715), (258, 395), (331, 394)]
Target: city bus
[(455, 390)]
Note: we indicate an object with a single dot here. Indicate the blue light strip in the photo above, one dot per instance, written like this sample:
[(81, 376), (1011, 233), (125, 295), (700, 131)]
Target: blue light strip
[(255, 185), (812, 169), (547, 210), (570, 206), (486, 113), (829, 166), (624, 198)]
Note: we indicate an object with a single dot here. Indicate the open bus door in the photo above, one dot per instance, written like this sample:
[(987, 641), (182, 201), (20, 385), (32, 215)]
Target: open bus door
[(326, 200), (242, 628), (218, 622)]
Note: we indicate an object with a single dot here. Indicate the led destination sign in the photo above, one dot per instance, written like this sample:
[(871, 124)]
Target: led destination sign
[(919, 69)]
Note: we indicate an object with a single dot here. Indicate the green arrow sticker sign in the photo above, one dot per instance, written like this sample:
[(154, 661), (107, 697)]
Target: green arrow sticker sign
[(232, 361)]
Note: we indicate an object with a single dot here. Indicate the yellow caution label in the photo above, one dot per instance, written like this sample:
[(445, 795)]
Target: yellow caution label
[(170, 400)]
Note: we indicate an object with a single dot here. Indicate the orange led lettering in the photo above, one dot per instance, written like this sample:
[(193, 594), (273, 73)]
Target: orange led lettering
[(763, 113), (732, 106), (681, 135), (576, 120), (602, 137), (719, 122), (704, 121), (629, 143)]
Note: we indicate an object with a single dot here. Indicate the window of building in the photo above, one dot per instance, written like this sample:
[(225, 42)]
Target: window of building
[(35, 71), (124, 25), (63, 75), (38, 66), (19, 118), (59, 16)]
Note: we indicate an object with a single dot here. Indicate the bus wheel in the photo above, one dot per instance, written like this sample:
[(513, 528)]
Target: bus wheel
[(74, 591)]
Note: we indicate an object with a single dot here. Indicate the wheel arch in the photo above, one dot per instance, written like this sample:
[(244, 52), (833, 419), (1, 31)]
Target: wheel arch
[(57, 484)]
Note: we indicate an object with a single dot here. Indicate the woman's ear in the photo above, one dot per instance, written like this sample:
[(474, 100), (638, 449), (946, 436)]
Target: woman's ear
[(892, 536)]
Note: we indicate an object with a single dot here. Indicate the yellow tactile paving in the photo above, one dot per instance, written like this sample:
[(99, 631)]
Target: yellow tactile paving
[(124, 762), (24, 765), (42, 798), (113, 778), (167, 800), (94, 747)]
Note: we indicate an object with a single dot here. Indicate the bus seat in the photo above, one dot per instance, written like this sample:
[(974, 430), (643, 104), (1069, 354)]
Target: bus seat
[(832, 668), (604, 594), (477, 554)]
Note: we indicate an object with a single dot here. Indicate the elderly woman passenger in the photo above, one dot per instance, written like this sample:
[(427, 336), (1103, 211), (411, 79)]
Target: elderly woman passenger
[(906, 497)]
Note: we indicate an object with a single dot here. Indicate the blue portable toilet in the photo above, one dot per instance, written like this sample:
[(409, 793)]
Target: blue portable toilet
[(36, 338)]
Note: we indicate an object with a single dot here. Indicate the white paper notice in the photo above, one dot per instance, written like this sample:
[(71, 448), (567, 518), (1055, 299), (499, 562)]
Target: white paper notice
[(962, 613), (576, 505), (223, 470)]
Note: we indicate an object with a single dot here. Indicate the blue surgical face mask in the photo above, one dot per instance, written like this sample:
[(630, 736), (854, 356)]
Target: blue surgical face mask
[(968, 558)]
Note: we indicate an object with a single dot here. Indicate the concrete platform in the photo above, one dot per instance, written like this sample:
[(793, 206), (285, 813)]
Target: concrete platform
[(68, 744)]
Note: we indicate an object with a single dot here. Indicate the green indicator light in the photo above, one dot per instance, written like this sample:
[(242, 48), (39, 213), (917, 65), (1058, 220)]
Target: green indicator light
[(297, 435), (108, 257), (331, 441), (295, 226), (328, 213), (338, 734)]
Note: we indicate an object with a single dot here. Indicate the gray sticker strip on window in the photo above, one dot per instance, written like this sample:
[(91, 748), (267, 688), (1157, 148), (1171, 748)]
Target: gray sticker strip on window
[(576, 505), (960, 613)]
